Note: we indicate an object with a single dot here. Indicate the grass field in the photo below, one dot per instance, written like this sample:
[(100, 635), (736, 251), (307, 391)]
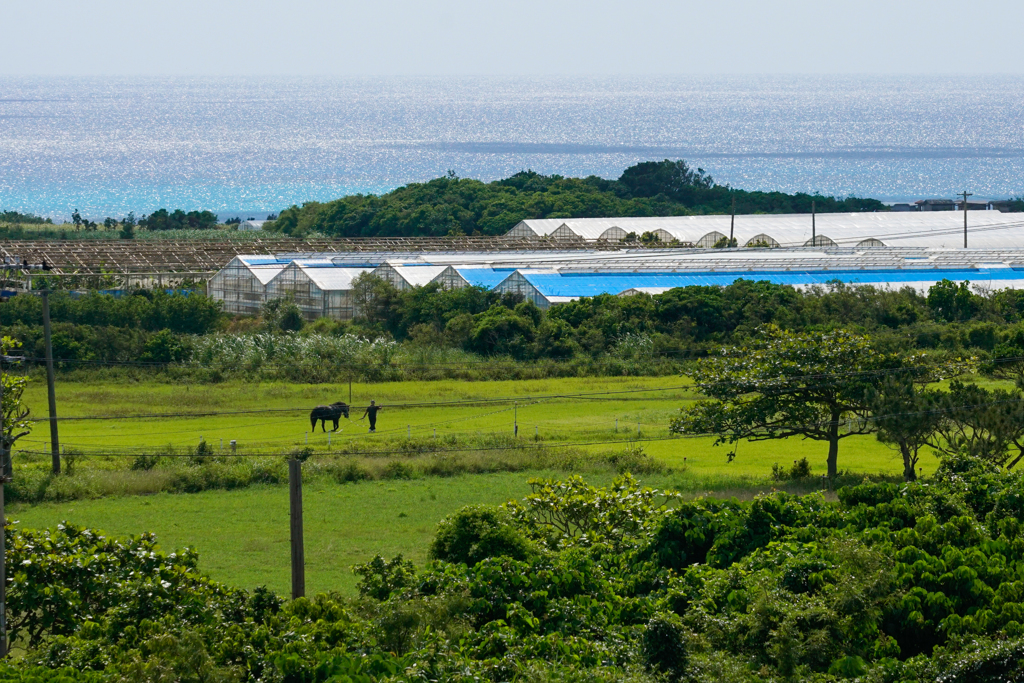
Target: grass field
[(596, 414), (242, 536)]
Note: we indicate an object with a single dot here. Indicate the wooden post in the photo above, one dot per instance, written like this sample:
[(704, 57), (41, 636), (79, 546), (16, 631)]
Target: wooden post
[(51, 393), (295, 503)]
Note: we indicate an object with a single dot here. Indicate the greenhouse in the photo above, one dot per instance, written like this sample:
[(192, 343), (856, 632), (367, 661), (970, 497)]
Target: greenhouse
[(940, 229), (318, 287), (242, 283)]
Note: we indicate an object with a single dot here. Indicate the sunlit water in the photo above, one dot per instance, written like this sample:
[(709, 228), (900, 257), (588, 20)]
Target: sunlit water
[(249, 146)]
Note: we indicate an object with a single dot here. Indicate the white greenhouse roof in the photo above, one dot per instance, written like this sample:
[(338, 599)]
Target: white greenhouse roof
[(330, 278), (417, 275), (262, 268), (935, 229)]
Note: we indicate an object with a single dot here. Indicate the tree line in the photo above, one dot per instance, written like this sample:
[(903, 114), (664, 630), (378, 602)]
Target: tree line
[(462, 206), (678, 326)]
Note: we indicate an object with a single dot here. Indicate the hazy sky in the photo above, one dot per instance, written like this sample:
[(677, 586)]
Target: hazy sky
[(307, 37)]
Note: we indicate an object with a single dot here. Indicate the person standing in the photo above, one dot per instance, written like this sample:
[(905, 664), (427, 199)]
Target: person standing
[(371, 413)]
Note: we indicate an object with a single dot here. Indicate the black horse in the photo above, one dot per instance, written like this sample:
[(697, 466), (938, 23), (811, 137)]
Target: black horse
[(332, 412)]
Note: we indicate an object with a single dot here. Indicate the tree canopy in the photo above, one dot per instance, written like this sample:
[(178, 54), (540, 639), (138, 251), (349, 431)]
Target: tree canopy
[(817, 385), (462, 206)]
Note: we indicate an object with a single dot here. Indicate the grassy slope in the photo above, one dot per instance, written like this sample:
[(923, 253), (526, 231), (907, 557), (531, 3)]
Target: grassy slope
[(554, 419)]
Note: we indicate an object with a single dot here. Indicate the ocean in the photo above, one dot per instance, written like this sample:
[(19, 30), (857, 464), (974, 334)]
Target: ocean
[(246, 147)]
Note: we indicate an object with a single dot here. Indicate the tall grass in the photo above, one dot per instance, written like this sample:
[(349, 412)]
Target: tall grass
[(319, 358), (171, 471)]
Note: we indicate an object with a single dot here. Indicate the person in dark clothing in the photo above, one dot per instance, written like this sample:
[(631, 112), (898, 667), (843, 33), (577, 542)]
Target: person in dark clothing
[(371, 412)]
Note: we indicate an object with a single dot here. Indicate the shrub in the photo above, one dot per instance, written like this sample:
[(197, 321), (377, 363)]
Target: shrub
[(477, 532), (379, 578), (663, 645)]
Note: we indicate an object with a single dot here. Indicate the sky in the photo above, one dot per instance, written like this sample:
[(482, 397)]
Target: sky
[(521, 37)]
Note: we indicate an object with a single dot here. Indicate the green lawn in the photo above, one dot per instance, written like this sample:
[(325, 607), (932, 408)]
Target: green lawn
[(601, 421), (242, 536)]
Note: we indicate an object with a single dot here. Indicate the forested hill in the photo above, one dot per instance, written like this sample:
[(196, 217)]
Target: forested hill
[(462, 206)]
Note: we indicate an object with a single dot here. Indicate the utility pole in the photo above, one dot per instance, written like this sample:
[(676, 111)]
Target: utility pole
[(51, 393), (298, 553), (965, 195), (732, 221), (814, 227)]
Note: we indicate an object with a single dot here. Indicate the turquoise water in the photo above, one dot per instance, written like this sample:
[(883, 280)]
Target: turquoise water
[(250, 146)]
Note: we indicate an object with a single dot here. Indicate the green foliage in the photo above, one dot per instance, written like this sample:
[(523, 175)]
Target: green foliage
[(381, 578), (950, 301), (15, 217), (459, 206), (663, 644), (161, 219), (801, 469), (476, 533), (142, 309), (165, 347), (128, 227), (817, 385), (14, 414), (908, 582)]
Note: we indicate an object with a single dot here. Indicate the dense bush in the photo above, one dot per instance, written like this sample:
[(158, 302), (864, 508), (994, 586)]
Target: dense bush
[(150, 310), (912, 582)]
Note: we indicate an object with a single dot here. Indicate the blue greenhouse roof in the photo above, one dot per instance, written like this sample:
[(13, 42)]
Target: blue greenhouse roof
[(484, 277), (592, 284)]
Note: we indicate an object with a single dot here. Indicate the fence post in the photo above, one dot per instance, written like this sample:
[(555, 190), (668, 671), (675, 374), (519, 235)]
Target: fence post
[(295, 505)]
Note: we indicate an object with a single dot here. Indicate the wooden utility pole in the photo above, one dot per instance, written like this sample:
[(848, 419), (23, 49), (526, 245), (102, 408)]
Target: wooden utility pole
[(298, 554), (965, 195), (50, 391)]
